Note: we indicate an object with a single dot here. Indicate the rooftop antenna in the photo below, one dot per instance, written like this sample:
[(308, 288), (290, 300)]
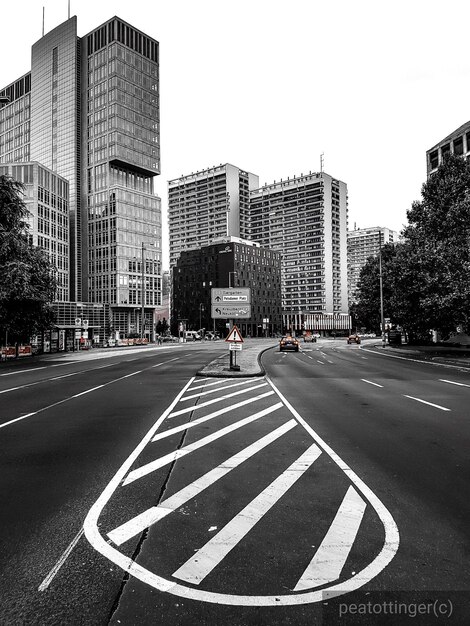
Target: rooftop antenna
[(43, 10), (322, 162)]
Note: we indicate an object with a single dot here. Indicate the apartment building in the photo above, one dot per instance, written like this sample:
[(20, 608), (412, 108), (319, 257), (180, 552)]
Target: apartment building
[(89, 112), (305, 219), (205, 205), (458, 143), (362, 244)]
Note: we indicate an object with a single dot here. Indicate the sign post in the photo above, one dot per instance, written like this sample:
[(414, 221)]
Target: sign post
[(235, 340)]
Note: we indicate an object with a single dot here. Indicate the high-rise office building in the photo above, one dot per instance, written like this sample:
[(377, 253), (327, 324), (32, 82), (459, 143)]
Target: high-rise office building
[(206, 205), (46, 196), (305, 218), (89, 111), (458, 143), (362, 244)]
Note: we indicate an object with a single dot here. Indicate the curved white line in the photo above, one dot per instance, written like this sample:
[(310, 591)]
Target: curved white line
[(386, 554)]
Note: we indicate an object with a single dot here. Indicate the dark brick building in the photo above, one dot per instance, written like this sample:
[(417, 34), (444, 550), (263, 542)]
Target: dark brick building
[(227, 262)]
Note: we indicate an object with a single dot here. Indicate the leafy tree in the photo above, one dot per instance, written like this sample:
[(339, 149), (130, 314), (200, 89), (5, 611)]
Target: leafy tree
[(27, 277), (162, 326), (439, 236)]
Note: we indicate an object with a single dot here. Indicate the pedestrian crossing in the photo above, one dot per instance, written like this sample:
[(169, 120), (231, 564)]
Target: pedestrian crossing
[(230, 430)]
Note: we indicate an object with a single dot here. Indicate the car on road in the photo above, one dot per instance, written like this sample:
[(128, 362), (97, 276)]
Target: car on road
[(308, 337), (354, 339), (289, 343)]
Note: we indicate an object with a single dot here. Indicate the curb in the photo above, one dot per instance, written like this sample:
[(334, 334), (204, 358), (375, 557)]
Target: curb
[(225, 373)]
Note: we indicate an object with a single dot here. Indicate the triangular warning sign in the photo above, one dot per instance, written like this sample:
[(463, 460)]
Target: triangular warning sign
[(234, 336)]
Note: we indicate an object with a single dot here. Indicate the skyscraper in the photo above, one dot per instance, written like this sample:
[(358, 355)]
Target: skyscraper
[(207, 205), (89, 111), (305, 218)]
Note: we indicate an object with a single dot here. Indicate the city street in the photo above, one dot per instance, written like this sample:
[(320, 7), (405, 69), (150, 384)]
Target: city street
[(136, 491)]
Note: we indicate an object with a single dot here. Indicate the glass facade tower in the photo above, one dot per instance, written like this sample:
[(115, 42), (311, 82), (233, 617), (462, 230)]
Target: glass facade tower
[(89, 111)]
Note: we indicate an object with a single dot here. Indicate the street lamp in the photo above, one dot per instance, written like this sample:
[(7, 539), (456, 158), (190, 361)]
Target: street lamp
[(142, 318), (201, 309), (382, 320)]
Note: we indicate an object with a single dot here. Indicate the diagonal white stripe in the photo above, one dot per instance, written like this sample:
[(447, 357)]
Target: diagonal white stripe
[(436, 406), (209, 556), (371, 383), (329, 559), (173, 456), (452, 382), (205, 393), (206, 384), (201, 420), (139, 523), (209, 402)]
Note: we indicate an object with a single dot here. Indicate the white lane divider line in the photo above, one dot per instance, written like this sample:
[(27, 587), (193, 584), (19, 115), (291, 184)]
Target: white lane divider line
[(452, 382), (31, 369), (332, 362), (205, 393), (47, 581), (177, 454), (437, 406), (201, 420), (209, 556), (177, 358), (369, 382), (321, 362), (17, 419), (209, 402), (328, 561), (146, 519)]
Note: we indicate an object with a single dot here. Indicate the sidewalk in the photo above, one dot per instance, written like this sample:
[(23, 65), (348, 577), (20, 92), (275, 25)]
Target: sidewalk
[(447, 355), (248, 359)]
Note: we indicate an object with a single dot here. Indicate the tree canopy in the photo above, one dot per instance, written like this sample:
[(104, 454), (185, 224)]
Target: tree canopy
[(27, 277), (426, 276)]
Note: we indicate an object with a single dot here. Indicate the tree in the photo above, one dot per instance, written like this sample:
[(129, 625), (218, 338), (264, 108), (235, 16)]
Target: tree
[(27, 277), (161, 327), (439, 236)]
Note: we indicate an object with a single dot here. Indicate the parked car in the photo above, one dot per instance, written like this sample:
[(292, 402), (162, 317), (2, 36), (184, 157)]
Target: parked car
[(354, 339), (289, 343), (192, 335)]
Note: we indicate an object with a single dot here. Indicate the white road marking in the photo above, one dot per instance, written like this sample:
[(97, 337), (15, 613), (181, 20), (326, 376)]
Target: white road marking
[(177, 454), (321, 362), (371, 383), (17, 419), (330, 361), (47, 581), (77, 395), (204, 385), (437, 406), (177, 358), (201, 420), (357, 580), (328, 561), (452, 382), (205, 393), (32, 369), (146, 519), (209, 402), (209, 556)]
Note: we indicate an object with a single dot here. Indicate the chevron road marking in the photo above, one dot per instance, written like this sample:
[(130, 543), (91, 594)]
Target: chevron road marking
[(210, 555), (173, 456), (156, 513), (329, 559)]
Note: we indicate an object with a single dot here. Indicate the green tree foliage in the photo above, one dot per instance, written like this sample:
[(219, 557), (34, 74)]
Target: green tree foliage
[(27, 278), (425, 277), (161, 327)]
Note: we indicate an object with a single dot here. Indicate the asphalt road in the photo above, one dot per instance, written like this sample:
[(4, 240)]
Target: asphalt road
[(333, 490)]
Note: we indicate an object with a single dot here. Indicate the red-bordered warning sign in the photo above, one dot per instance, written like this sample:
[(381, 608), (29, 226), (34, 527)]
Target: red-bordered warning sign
[(234, 336)]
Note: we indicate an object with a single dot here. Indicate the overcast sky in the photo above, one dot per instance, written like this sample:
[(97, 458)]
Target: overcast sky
[(268, 86)]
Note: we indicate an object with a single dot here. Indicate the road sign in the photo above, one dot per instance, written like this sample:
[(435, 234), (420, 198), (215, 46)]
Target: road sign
[(234, 336), (230, 311), (241, 295), (78, 322), (235, 346)]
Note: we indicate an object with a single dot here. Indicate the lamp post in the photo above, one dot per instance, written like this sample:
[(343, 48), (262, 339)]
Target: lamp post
[(382, 320), (142, 317), (201, 309)]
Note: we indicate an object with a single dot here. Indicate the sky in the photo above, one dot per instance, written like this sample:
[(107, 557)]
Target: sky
[(269, 86)]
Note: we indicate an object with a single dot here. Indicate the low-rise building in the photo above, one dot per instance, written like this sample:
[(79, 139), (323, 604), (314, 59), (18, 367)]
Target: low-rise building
[(227, 262)]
